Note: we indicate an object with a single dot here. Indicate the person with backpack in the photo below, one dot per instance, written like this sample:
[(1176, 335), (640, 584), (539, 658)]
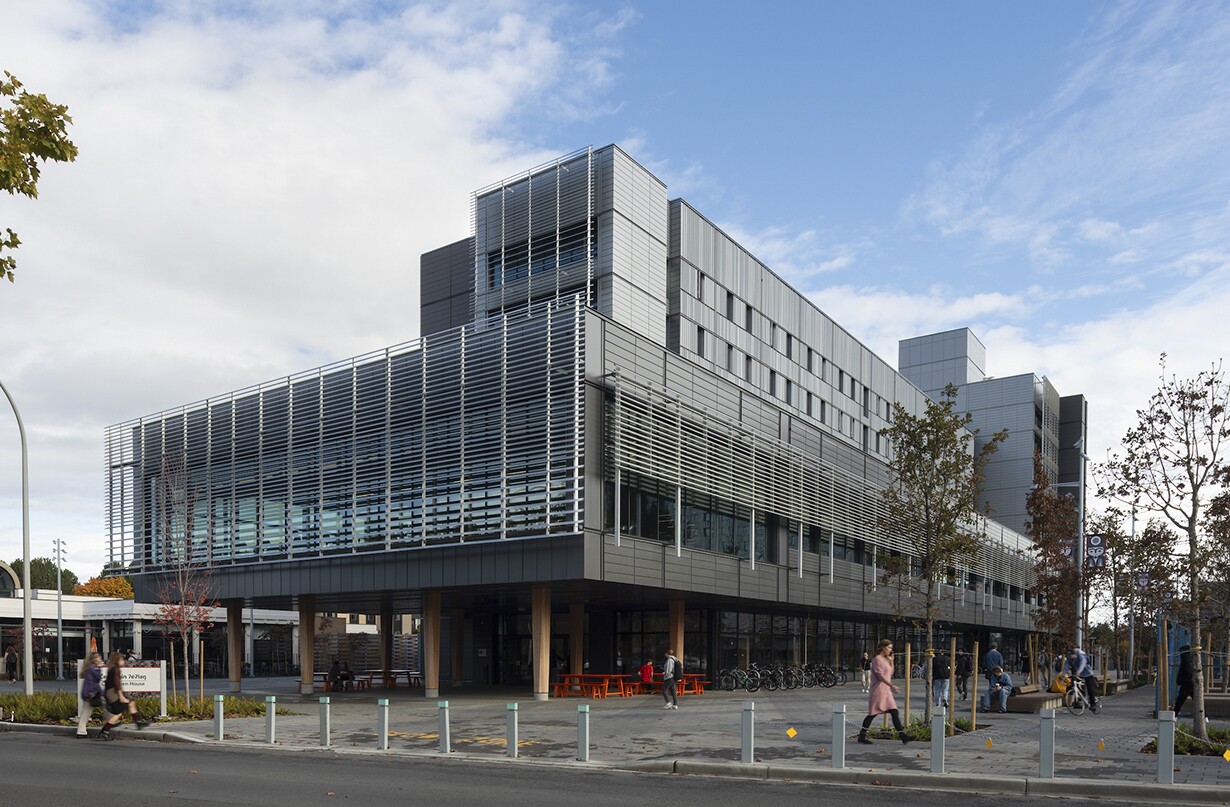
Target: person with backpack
[(117, 701), (672, 673), (941, 668), (91, 693), (965, 668)]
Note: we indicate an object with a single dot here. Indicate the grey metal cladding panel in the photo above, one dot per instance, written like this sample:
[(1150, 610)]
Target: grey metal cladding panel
[(674, 216)]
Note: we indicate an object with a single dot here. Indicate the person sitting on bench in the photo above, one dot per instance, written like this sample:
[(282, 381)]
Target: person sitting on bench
[(1000, 685)]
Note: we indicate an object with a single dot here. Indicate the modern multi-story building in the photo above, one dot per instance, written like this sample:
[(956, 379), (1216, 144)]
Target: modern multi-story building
[(618, 433), (1038, 420)]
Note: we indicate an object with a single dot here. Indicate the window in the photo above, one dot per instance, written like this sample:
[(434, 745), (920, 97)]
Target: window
[(866, 438), (809, 360), (866, 401), (747, 325), (789, 346), (730, 306), (748, 370), (824, 369), (841, 380), (809, 404), (772, 382), (546, 252), (824, 411), (853, 393), (700, 341), (700, 286), (730, 358), (773, 335), (789, 393)]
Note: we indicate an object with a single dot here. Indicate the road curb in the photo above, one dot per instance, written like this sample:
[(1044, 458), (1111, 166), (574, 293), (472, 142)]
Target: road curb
[(123, 733)]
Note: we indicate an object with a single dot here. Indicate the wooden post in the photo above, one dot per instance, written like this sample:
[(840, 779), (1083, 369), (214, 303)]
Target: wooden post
[(952, 687), (909, 676), (973, 697), (1208, 662)]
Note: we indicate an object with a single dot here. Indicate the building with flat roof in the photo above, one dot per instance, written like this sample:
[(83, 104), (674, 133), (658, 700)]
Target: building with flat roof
[(619, 433), (1038, 419)]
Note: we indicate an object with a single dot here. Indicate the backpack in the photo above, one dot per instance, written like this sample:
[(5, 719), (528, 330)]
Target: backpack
[(677, 673)]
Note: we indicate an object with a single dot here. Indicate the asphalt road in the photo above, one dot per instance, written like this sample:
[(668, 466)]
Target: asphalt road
[(37, 769)]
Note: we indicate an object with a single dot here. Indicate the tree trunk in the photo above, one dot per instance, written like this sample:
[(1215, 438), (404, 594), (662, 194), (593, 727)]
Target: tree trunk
[(1199, 729), (187, 669)]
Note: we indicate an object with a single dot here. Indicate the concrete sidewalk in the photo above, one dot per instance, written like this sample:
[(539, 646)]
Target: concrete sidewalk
[(637, 732)]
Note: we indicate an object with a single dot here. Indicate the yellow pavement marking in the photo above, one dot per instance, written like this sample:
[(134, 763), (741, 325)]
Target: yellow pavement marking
[(988, 742), (1101, 745), (1226, 756)]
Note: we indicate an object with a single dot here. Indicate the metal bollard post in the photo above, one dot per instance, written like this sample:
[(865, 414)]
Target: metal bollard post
[(446, 740), (326, 724), (219, 708), (271, 716), (1046, 746), (1165, 748), (748, 740), (938, 720), (512, 730), (839, 735), (382, 724), (583, 733)]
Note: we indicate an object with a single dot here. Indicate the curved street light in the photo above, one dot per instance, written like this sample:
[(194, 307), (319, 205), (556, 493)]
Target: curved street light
[(26, 622)]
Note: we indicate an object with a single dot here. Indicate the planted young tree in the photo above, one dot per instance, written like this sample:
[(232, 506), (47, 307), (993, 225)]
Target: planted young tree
[(1053, 528), (1173, 462), (936, 474), (185, 587), (33, 130)]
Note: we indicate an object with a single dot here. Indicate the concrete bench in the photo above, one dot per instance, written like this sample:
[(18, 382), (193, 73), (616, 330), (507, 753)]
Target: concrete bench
[(1031, 700)]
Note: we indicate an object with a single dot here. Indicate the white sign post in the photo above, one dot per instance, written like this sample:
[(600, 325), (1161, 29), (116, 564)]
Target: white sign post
[(146, 680)]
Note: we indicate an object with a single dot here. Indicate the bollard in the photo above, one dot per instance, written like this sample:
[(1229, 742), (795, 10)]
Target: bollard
[(839, 735), (1165, 748), (271, 716), (583, 733), (748, 739), (938, 721), (326, 724), (446, 740), (219, 708), (512, 730), (382, 724), (1046, 746)]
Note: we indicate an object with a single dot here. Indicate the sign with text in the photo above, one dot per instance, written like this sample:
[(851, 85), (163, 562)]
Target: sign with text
[(141, 679)]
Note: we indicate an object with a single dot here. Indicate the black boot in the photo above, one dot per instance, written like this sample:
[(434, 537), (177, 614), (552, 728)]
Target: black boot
[(862, 737), (906, 737)]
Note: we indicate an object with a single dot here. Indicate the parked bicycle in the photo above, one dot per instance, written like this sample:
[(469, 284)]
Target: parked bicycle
[(749, 680)]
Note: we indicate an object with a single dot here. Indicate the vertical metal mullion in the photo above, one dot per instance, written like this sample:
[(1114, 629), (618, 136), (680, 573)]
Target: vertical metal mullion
[(578, 422), (503, 425), (678, 478), (234, 504), (320, 463), (618, 415), (550, 320), (462, 505), (388, 449), (354, 456), (589, 224), (209, 477), (288, 520), (260, 472), (423, 430), (558, 204)]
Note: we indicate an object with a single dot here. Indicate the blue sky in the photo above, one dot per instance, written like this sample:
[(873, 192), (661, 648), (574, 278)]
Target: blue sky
[(254, 187)]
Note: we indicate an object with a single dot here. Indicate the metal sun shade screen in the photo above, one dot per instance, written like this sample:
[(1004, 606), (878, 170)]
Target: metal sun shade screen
[(661, 437), (469, 434)]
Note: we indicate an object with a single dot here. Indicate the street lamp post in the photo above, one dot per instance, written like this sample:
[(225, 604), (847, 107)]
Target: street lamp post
[(58, 543), (26, 620)]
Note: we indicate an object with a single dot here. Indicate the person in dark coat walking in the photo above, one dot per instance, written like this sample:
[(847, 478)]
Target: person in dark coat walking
[(1186, 678)]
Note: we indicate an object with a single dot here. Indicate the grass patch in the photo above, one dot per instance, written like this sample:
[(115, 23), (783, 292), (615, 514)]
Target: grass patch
[(60, 708), (1219, 741), (920, 729)]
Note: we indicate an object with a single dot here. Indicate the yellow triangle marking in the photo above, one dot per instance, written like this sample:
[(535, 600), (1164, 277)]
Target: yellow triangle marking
[(1226, 756)]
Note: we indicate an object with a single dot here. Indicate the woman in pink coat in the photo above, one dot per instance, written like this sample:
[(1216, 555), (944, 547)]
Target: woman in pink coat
[(881, 699)]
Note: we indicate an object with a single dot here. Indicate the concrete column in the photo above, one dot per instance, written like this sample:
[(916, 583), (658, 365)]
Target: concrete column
[(676, 626), (138, 628), (576, 637), (307, 642), (386, 638), (540, 627), (431, 643), (458, 618), (234, 643)]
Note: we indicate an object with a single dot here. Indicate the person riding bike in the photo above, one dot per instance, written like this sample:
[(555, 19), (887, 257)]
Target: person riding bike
[(1078, 666)]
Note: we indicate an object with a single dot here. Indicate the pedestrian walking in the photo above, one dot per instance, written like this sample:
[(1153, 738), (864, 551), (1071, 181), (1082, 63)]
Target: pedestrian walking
[(1186, 678), (90, 693), (880, 698), (117, 702), (865, 666), (10, 663), (941, 669), (965, 668), (670, 674), (991, 660)]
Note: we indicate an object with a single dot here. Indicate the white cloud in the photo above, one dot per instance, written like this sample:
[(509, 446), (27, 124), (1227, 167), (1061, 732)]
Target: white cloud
[(251, 198)]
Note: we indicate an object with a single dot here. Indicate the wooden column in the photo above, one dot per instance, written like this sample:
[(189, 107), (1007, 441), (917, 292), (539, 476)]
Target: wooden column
[(386, 638), (458, 620), (234, 643), (576, 637), (307, 642), (676, 627), (431, 643), (540, 627)]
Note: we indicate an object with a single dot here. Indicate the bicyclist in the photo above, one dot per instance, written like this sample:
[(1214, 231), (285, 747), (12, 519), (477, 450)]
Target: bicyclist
[(1078, 666)]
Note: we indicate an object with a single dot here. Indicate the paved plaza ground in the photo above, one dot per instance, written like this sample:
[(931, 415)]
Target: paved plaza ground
[(632, 731)]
